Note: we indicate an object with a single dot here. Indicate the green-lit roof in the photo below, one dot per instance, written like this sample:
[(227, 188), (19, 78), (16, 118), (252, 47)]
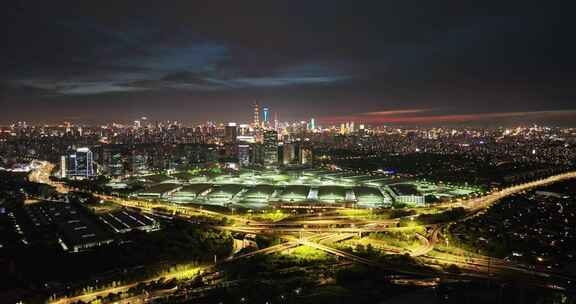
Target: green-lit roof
[(195, 188), (225, 190), (331, 193), (161, 188), (295, 192), (260, 191)]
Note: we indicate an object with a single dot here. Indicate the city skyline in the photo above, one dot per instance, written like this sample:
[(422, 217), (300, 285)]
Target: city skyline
[(326, 151), (403, 64), (425, 118)]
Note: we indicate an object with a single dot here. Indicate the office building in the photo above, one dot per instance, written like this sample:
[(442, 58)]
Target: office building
[(63, 166), (78, 164), (257, 154), (306, 156), (244, 155), (270, 149), (256, 122), (139, 163), (113, 161), (289, 154), (266, 117), (230, 133), (243, 130)]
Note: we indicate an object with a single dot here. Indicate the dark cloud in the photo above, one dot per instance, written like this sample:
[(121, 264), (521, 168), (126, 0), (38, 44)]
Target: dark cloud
[(302, 58), (186, 77), (8, 90)]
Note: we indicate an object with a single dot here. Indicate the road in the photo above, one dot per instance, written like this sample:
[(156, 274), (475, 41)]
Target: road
[(490, 269), (485, 201), (429, 243), (337, 252), (42, 175), (124, 288), (290, 244), (478, 267)]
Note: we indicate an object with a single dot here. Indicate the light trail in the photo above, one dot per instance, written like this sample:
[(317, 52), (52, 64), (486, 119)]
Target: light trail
[(355, 227)]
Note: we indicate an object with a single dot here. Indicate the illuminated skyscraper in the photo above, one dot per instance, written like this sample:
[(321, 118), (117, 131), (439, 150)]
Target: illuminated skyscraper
[(230, 133), (244, 155), (266, 117), (270, 149), (312, 124), (63, 166), (112, 161), (306, 156), (79, 163), (256, 122), (139, 162), (289, 153)]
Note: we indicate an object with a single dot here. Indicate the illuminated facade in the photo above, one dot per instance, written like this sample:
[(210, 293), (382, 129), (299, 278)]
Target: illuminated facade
[(270, 149), (244, 155), (306, 156), (113, 162), (256, 122), (266, 117), (230, 133), (289, 154), (78, 164)]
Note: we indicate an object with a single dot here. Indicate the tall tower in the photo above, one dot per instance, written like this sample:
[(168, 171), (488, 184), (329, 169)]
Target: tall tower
[(266, 117), (256, 121), (270, 149), (276, 126)]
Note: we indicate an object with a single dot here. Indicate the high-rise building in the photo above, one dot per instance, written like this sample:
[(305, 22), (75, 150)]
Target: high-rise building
[(343, 129), (257, 154), (270, 149), (230, 133), (113, 161), (139, 162), (362, 130), (289, 154), (79, 164), (256, 122), (266, 117), (243, 130), (312, 124), (306, 156), (244, 155), (63, 166)]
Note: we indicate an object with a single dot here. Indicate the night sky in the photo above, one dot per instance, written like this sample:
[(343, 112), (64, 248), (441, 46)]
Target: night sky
[(392, 62)]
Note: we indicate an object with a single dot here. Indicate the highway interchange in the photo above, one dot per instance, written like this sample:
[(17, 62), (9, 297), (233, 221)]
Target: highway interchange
[(322, 231)]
